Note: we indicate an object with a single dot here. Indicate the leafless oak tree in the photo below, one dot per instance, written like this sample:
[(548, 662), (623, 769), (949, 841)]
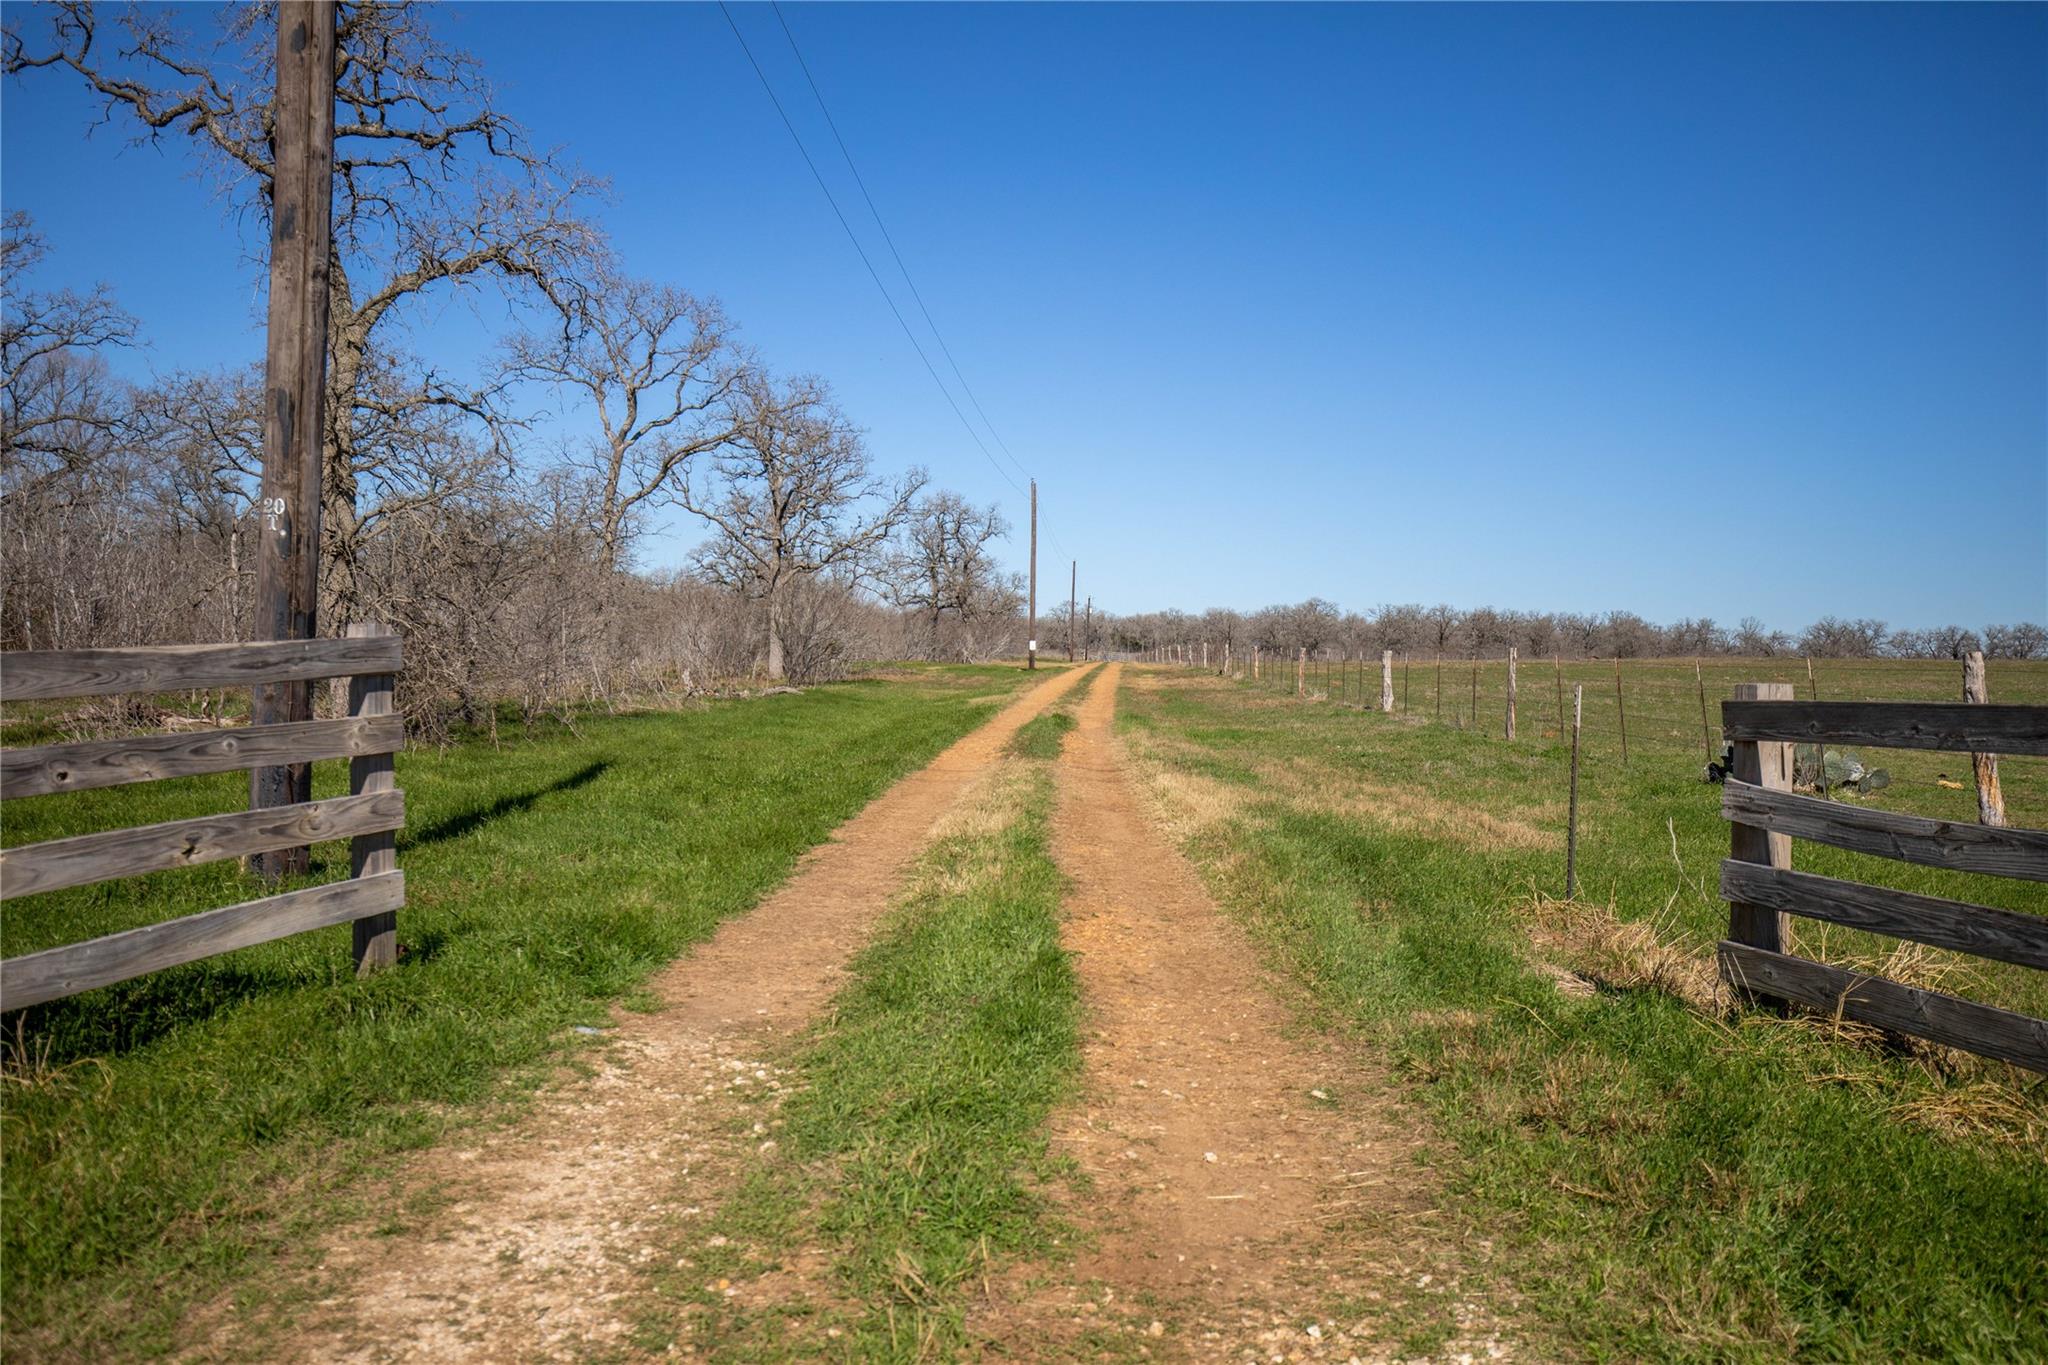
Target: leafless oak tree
[(944, 562), (658, 369), (435, 189), (58, 405), (793, 498)]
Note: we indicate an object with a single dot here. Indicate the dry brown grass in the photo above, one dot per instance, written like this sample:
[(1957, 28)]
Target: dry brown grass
[(1583, 947), (1592, 943), (1199, 801)]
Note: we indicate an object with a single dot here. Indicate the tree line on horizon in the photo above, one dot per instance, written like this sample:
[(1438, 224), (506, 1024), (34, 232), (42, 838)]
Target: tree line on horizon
[(1320, 627)]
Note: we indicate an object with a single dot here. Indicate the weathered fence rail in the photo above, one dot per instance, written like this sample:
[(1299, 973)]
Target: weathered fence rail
[(369, 817), (1761, 888)]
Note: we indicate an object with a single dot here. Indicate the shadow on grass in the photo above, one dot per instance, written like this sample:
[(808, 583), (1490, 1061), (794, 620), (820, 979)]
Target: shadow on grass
[(468, 822), (128, 1015), (132, 1014)]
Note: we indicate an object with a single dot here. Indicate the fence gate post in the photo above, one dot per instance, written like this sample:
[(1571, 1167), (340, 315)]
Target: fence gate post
[(376, 936), (1762, 763), (1990, 800), (1387, 680)]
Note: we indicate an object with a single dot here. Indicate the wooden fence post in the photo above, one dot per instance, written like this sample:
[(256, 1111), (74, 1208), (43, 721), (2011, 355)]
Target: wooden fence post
[(1255, 663), (1301, 671), (1439, 685), (370, 855), (1990, 800), (1571, 826), (1511, 691), (1621, 710), (1386, 681), (1761, 763)]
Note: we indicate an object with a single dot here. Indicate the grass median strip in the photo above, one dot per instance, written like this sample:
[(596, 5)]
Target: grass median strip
[(1665, 1181), (910, 1156)]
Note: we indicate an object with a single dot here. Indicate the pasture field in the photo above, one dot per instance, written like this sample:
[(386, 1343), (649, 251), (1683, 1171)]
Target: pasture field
[(162, 1135), (1660, 1178), (1660, 698)]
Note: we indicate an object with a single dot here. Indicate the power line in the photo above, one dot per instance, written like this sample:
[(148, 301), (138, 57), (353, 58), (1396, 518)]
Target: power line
[(861, 181), (872, 273)]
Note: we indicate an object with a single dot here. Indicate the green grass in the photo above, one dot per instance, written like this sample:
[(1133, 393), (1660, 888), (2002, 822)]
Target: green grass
[(913, 1147), (1663, 1183), (1659, 698), (1045, 734), (161, 1133)]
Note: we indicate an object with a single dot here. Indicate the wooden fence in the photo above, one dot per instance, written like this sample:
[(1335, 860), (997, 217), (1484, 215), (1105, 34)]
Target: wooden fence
[(1763, 723), (369, 816)]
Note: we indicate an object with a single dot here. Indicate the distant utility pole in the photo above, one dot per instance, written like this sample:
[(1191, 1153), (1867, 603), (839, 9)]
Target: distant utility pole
[(1073, 582), (1031, 660), (295, 384)]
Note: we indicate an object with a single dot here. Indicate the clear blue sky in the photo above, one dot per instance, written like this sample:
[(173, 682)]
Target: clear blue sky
[(1687, 310)]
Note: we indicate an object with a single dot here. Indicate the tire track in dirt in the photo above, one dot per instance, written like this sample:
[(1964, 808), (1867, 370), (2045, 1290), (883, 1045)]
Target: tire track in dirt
[(550, 1221), (1242, 1180)]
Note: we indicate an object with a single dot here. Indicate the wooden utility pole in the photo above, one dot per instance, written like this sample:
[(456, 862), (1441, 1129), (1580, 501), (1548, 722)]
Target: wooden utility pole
[(1073, 583), (294, 385), (1031, 632), (1990, 801)]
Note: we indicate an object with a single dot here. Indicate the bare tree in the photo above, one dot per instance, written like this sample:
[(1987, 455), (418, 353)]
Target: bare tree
[(1758, 641), (792, 498), (943, 563), (1835, 637), (59, 406), (435, 189), (657, 367), (2020, 640)]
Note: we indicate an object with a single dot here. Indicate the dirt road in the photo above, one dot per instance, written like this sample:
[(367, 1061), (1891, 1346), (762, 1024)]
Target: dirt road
[(1254, 1191), (1245, 1180), (525, 1245)]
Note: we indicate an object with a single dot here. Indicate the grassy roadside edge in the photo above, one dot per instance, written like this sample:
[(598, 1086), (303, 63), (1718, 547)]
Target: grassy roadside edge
[(1663, 1186)]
